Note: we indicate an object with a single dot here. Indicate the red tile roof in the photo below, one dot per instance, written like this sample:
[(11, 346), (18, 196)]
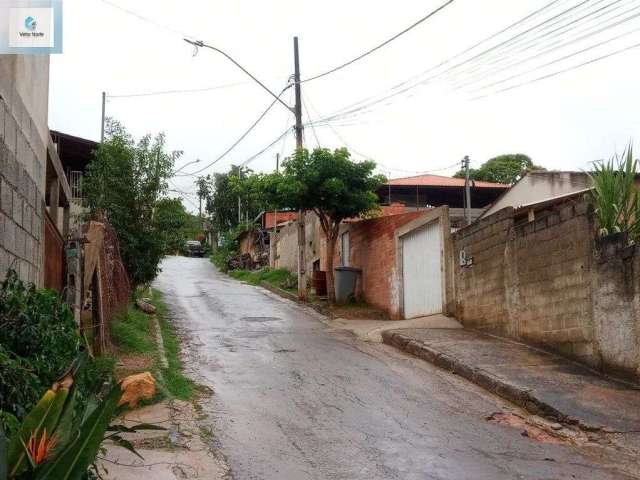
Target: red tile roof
[(439, 181)]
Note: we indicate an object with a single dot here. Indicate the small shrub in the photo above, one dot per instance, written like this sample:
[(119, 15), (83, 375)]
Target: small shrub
[(39, 339), (615, 195)]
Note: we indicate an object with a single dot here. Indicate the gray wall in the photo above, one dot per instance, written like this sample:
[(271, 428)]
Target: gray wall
[(24, 97)]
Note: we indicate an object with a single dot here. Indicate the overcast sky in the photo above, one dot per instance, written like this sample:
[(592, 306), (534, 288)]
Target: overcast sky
[(563, 122)]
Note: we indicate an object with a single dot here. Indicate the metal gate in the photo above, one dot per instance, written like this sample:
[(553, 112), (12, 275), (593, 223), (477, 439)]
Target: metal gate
[(422, 271)]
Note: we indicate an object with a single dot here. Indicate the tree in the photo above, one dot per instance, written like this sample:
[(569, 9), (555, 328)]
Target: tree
[(331, 185), (225, 189), (124, 182), (175, 224), (502, 169)]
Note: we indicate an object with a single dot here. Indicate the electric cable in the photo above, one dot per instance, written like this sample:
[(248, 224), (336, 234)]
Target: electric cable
[(242, 137), (379, 46)]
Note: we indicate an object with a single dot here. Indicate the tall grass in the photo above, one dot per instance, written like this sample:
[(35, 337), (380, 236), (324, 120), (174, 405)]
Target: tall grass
[(615, 195)]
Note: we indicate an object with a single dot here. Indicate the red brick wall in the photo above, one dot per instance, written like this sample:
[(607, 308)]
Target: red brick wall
[(373, 249)]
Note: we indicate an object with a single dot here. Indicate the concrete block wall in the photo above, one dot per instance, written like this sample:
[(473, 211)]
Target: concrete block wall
[(479, 292), (546, 280), (22, 182), (548, 266)]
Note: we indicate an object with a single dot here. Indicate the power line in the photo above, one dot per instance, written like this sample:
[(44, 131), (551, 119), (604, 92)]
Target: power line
[(313, 128), (200, 43), (147, 19), (235, 144), (554, 74), (256, 155), (566, 57), (444, 62), (368, 102), (368, 157), (360, 106), (535, 42), (379, 46), (169, 92)]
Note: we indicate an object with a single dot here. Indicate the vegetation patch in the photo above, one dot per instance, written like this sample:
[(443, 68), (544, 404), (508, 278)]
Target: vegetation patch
[(135, 337), (278, 277)]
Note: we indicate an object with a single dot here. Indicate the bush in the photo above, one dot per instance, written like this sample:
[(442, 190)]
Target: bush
[(228, 248), (38, 341), (279, 277)]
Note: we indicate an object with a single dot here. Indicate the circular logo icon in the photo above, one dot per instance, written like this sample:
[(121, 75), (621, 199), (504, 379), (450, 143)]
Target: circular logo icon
[(30, 23)]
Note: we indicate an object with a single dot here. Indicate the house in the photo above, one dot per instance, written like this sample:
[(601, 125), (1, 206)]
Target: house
[(540, 186), (75, 155), (423, 191), (416, 216), (34, 194)]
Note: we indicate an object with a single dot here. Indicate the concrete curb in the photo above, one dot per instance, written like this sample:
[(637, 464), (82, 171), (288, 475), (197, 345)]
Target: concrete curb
[(522, 397)]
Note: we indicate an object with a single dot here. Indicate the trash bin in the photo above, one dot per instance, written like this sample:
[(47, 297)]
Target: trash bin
[(345, 278)]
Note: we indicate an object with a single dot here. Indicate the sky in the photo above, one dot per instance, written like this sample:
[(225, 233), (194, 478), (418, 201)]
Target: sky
[(563, 122)]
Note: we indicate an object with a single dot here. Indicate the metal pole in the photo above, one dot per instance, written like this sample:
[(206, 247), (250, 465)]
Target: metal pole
[(104, 100), (467, 189), (302, 277)]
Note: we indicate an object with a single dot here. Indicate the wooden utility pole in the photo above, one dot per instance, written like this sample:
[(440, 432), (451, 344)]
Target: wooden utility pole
[(274, 237), (302, 274)]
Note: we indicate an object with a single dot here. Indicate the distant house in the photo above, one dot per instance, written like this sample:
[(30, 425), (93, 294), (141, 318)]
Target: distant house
[(539, 186), (427, 191), (75, 154)]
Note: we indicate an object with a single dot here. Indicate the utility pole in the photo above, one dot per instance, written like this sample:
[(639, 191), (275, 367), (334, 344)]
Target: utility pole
[(104, 101), (302, 274), (239, 201), (274, 237), (467, 189)]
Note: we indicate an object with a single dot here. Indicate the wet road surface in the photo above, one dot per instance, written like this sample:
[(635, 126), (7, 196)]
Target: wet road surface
[(296, 399)]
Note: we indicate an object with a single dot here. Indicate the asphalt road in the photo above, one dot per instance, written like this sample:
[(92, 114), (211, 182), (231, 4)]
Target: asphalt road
[(296, 399)]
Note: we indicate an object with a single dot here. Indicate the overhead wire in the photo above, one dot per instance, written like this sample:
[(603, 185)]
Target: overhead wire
[(568, 69), (242, 137), (550, 48), (359, 107), (380, 45), (169, 92)]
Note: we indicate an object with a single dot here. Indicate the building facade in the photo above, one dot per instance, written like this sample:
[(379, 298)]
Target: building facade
[(24, 133)]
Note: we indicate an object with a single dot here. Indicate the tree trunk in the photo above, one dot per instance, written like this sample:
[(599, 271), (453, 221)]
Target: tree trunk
[(331, 247)]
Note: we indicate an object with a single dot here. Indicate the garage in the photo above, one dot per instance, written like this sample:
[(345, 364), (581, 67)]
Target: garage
[(422, 271)]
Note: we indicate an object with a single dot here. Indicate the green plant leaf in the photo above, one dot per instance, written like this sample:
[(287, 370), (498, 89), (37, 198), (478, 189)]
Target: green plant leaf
[(80, 453)]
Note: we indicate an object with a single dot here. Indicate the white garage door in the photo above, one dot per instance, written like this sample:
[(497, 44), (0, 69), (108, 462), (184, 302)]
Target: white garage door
[(422, 272)]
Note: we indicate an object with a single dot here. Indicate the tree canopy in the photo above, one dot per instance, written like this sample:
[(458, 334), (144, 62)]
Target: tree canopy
[(175, 224), (507, 168), (124, 182), (328, 183)]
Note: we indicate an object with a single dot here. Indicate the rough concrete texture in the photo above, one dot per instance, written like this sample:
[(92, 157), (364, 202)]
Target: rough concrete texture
[(371, 330), (541, 382), (297, 399), (182, 451)]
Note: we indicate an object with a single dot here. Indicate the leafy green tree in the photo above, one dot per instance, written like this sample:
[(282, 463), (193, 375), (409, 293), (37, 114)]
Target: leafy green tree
[(125, 181), (225, 189), (502, 169), (331, 185), (174, 223)]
